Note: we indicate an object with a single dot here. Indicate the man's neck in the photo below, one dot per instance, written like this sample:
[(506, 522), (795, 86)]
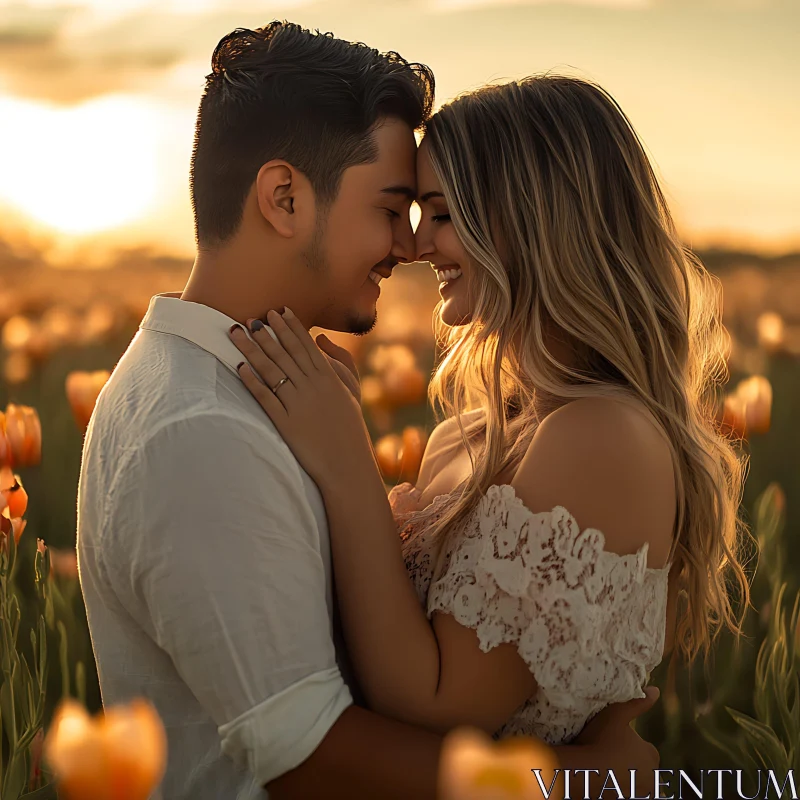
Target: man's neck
[(243, 286)]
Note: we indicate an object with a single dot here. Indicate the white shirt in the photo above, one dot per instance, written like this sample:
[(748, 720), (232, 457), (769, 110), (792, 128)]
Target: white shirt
[(205, 562)]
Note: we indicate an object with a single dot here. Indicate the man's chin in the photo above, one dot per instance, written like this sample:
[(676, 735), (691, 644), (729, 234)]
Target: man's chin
[(361, 324)]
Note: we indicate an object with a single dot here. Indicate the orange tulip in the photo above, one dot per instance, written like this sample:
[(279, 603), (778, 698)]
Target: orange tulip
[(472, 767), (403, 383), (83, 389), (399, 457), (387, 451), (748, 409), (733, 419), (414, 441), (15, 498), (404, 387), (117, 756), (23, 432), (12, 526)]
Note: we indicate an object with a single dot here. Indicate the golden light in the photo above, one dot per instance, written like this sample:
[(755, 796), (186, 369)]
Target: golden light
[(82, 169), (415, 214), (770, 331)]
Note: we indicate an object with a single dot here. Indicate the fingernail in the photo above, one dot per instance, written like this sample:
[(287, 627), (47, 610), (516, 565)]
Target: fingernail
[(287, 313), (239, 365), (256, 325), (234, 327)]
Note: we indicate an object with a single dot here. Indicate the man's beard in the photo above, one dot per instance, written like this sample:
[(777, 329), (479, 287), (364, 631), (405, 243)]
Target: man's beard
[(360, 325), (357, 324)]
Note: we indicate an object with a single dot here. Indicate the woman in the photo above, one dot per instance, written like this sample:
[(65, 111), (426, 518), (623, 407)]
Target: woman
[(577, 482)]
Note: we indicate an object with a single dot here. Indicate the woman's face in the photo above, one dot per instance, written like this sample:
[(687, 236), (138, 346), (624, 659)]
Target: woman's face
[(438, 243)]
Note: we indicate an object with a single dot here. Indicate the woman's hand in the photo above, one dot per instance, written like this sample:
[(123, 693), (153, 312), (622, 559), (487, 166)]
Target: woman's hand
[(295, 382), (343, 364)]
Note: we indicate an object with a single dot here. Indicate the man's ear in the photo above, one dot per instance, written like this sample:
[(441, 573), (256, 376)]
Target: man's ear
[(277, 187)]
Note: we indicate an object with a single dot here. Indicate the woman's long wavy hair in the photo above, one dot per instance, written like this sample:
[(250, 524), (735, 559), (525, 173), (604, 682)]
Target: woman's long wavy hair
[(568, 234)]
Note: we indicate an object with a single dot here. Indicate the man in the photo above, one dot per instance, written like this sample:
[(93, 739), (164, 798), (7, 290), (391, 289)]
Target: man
[(203, 546)]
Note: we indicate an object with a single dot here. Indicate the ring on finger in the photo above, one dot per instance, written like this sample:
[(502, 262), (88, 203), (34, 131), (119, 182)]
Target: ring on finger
[(278, 385)]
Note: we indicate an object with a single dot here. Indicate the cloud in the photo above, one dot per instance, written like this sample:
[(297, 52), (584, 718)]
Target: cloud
[(58, 51), (444, 6), (47, 53), (463, 5)]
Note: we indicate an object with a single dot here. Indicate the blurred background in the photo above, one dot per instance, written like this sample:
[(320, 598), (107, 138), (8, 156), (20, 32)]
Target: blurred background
[(97, 106)]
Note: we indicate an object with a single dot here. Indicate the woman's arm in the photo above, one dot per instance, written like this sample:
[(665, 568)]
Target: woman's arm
[(430, 673)]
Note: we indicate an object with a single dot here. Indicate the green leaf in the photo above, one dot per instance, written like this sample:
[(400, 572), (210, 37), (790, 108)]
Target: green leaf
[(15, 777), (731, 745), (763, 741), (63, 659), (49, 792)]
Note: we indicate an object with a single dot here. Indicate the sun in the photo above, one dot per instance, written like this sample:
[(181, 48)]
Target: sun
[(82, 169)]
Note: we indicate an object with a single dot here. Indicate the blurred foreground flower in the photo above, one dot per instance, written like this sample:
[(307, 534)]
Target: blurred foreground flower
[(400, 457), (83, 389), (20, 436), (119, 755), (748, 409), (473, 767)]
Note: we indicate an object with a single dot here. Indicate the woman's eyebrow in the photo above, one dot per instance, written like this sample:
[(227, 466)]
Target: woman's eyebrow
[(429, 195)]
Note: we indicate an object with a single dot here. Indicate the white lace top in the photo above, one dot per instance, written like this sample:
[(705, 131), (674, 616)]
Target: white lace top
[(589, 623)]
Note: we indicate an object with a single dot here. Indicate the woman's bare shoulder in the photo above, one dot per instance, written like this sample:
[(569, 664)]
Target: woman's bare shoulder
[(610, 465)]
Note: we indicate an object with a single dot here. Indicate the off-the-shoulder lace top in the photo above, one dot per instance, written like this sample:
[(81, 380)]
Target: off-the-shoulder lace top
[(589, 623)]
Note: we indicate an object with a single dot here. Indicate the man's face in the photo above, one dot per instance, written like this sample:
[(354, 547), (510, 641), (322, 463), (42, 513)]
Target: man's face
[(365, 232)]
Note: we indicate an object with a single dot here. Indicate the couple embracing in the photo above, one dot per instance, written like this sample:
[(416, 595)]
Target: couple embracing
[(300, 633)]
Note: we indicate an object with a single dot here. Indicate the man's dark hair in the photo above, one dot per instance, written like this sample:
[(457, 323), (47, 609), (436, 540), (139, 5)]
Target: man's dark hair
[(285, 92)]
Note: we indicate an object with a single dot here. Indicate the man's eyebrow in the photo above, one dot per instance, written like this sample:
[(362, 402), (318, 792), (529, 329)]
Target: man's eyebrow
[(405, 191), (429, 196)]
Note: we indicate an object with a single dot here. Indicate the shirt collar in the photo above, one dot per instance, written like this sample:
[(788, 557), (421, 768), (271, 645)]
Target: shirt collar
[(197, 323)]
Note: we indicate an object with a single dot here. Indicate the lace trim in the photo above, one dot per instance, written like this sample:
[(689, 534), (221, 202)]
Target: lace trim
[(590, 624)]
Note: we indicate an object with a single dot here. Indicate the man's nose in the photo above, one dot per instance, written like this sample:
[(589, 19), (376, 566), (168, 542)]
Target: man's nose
[(404, 247)]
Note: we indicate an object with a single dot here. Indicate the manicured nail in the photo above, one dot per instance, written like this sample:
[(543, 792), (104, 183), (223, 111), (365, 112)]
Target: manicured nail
[(256, 325), (239, 365), (287, 313), (234, 327)]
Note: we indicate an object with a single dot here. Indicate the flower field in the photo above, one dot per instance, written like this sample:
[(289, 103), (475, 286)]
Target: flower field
[(61, 333)]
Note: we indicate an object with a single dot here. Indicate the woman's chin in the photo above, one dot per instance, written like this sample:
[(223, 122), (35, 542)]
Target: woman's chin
[(453, 317)]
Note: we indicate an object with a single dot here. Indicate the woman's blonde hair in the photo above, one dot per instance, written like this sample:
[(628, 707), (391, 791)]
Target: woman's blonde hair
[(560, 212)]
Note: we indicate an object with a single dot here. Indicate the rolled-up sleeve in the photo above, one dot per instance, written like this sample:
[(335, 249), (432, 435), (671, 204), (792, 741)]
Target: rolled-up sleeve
[(225, 569)]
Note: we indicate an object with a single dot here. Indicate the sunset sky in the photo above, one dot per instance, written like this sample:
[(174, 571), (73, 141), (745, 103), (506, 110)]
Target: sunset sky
[(98, 100)]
